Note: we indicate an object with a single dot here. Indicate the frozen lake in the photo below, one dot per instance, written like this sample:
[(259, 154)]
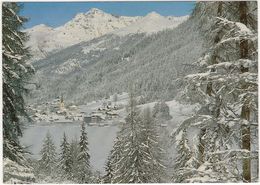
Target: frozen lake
[(100, 139)]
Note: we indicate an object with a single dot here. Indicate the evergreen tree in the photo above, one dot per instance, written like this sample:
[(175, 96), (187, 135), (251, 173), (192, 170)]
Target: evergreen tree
[(152, 147), (109, 171), (227, 85), (16, 72), (83, 157), (138, 156), (65, 161), (95, 178), (113, 158), (185, 160), (74, 153), (48, 160), (131, 162), (161, 111)]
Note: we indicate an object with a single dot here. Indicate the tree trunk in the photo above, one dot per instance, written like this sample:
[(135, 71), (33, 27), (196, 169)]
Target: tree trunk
[(245, 112), (201, 146), (246, 143)]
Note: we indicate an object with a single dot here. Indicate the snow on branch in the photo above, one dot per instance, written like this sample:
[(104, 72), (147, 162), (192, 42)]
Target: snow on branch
[(239, 153), (13, 13), (234, 64), (11, 56), (198, 75), (198, 121), (240, 27)]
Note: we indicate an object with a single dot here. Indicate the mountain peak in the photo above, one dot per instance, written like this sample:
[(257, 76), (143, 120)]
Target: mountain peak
[(153, 14), (83, 27), (95, 11), (79, 16), (40, 28)]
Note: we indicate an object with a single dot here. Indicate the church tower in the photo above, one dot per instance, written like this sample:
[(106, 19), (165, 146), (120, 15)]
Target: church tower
[(61, 103)]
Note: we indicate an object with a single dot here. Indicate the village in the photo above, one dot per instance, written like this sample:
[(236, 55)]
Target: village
[(97, 113)]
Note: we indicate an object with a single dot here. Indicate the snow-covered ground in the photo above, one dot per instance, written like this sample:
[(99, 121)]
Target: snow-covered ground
[(180, 112), (101, 139), (15, 173)]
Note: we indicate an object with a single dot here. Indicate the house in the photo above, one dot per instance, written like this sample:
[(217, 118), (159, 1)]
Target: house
[(94, 118), (87, 119), (110, 114), (73, 107)]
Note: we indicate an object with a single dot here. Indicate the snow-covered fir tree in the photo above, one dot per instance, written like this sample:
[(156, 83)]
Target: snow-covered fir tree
[(184, 154), (74, 153), (113, 158), (84, 172), (65, 161), (161, 111), (48, 161), (109, 170), (152, 145), (95, 178), (139, 157), (186, 159), (227, 87), (130, 165), (16, 73)]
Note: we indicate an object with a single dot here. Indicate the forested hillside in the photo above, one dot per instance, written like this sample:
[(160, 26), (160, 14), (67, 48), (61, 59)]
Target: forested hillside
[(154, 63)]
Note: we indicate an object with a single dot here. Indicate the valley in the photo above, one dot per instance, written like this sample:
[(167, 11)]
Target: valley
[(162, 92)]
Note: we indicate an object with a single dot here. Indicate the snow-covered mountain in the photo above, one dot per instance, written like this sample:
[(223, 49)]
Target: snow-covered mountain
[(102, 66), (95, 23), (83, 27), (151, 23)]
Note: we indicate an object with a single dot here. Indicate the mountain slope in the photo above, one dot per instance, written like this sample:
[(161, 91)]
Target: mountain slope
[(45, 40), (108, 64), (84, 26), (151, 23)]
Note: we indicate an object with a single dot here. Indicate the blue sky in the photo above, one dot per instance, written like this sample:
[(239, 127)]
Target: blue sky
[(56, 14)]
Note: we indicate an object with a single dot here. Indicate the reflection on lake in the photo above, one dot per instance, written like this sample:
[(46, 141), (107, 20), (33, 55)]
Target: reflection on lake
[(100, 139)]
